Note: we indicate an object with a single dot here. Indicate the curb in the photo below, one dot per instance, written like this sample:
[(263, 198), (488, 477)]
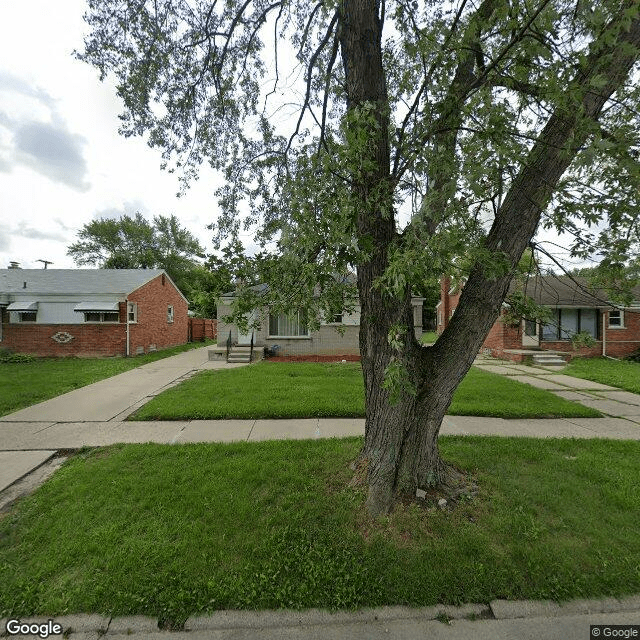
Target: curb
[(94, 624)]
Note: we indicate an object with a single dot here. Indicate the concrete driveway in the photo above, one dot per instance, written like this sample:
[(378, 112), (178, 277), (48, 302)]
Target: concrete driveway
[(116, 397)]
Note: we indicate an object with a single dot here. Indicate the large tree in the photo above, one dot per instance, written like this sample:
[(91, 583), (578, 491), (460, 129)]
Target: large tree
[(427, 138), (132, 242)]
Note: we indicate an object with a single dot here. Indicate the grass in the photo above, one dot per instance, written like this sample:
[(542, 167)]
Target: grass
[(171, 531), (623, 374), (307, 390), (25, 384), (429, 337)]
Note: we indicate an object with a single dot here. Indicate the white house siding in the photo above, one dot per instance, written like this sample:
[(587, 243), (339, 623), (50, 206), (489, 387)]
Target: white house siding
[(58, 312), (326, 341)]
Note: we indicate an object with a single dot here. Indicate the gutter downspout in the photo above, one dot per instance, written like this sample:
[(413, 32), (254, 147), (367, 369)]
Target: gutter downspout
[(126, 309), (604, 334)]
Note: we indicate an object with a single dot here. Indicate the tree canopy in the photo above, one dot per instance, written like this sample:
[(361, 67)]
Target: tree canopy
[(421, 132), (132, 242)]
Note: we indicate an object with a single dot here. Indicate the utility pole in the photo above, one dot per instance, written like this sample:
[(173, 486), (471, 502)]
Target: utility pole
[(46, 262)]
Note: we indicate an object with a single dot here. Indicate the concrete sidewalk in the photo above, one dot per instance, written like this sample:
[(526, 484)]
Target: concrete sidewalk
[(610, 401), (31, 436), (24, 446), (94, 415), (499, 620), (116, 397)]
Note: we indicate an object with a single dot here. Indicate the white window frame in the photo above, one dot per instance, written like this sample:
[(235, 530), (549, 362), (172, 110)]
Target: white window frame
[(132, 312), (170, 314), (299, 322), (615, 326)]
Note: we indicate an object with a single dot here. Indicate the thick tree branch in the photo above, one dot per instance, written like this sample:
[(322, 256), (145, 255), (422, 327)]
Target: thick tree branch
[(610, 60)]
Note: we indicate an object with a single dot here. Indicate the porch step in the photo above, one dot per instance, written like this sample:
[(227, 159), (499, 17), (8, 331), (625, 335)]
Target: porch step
[(241, 354), (549, 360)]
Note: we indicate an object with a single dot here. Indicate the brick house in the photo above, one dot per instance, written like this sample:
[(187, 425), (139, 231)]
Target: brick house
[(288, 335), (574, 308), (90, 312)]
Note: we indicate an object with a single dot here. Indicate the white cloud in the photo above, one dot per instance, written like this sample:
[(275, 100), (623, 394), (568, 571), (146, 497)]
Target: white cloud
[(53, 152), (24, 230)]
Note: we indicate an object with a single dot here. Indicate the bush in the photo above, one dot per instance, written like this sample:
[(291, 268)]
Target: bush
[(633, 357), (8, 357)]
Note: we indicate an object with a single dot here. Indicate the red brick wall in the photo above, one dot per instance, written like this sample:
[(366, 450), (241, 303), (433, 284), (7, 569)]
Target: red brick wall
[(619, 342), (152, 327), (502, 336), (448, 303), (89, 340)]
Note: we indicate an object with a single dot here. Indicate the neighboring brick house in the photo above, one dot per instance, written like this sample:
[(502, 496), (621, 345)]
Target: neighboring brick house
[(574, 308), (289, 336), (90, 312)]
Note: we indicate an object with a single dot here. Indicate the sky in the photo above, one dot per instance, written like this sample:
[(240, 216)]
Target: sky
[(62, 161)]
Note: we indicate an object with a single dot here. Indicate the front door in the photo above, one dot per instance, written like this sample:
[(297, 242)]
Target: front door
[(245, 338), (530, 333)]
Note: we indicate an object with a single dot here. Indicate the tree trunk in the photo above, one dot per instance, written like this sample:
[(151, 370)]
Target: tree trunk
[(400, 449), (401, 438)]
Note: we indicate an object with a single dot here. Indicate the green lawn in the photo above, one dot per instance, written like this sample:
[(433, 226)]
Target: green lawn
[(305, 390), (429, 337), (24, 384), (623, 374), (171, 531)]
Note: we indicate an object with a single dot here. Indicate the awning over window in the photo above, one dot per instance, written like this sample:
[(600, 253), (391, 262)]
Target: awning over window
[(97, 305), (23, 305)]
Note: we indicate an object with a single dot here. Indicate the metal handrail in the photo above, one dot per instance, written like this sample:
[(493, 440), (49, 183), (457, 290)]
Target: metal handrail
[(228, 345)]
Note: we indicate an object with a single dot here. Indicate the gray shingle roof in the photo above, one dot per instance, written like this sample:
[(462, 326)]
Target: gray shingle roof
[(563, 291), (68, 281)]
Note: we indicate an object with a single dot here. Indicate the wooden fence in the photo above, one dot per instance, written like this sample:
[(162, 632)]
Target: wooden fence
[(201, 329)]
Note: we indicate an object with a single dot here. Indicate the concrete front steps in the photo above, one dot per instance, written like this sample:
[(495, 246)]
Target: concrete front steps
[(240, 354), (548, 360)]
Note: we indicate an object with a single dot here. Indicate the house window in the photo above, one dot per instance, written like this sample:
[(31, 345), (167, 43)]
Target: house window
[(616, 319), (565, 323), (170, 314), (569, 321), (101, 316), (27, 316), (530, 328), (336, 318), (132, 312), (288, 325), (550, 329)]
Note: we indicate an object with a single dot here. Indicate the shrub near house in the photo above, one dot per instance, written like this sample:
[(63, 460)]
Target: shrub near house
[(90, 312)]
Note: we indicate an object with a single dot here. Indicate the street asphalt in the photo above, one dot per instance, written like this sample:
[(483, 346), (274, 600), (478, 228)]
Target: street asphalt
[(95, 415)]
